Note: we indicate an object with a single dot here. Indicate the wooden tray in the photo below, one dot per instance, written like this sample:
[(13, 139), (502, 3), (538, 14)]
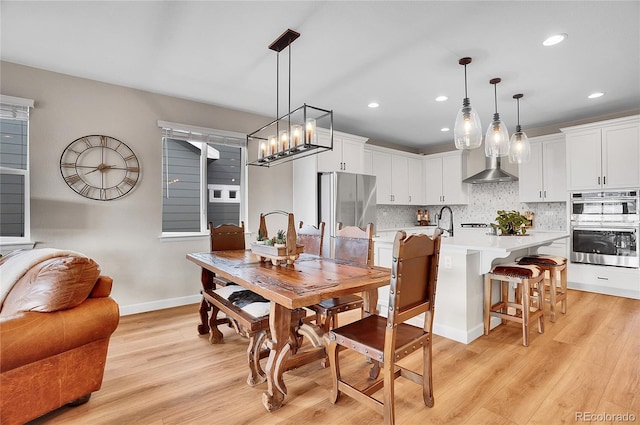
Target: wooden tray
[(276, 254)]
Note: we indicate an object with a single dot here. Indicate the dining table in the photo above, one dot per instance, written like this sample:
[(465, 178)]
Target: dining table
[(306, 281)]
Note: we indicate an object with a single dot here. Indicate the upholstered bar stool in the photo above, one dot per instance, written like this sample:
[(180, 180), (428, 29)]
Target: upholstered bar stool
[(524, 308), (555, 270)]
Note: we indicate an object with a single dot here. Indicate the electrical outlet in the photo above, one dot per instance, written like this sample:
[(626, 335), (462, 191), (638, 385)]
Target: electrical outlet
[(446, 262)]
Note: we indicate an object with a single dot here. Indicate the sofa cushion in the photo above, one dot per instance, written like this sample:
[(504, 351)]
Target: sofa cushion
[(54, 284)]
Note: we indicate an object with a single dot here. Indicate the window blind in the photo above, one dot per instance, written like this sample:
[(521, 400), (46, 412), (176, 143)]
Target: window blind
[(202, 134)]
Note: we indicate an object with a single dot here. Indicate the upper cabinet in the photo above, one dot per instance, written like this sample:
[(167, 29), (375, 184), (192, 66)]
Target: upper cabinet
[(398, 176), (347, 154), (543, 178), (443, 175), (604, 155)]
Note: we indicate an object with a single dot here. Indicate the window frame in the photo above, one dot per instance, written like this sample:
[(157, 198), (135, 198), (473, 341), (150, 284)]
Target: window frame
[(18, 104), (203, 135)]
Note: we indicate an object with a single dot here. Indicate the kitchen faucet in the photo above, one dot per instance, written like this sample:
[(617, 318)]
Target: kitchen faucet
[(439, 216)]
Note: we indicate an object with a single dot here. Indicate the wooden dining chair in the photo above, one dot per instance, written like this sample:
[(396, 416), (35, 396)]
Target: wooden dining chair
[(414, 274), (351, 243), (311, 237), (221, 238)]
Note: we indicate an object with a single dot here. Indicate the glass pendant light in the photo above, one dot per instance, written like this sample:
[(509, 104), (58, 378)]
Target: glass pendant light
[(496, 141), (467, 131), (519, 146)]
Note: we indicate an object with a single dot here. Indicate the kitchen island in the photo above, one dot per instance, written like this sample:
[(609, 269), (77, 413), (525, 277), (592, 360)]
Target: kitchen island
[(464, 259)]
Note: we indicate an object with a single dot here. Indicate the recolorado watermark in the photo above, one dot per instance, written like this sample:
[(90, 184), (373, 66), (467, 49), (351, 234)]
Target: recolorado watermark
[(605, 417)]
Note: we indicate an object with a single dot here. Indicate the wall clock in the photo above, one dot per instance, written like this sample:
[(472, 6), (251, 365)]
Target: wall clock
[(99, 167)]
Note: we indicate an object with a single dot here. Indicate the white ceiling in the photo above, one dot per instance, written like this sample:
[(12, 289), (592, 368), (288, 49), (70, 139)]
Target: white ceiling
[(399, 54)]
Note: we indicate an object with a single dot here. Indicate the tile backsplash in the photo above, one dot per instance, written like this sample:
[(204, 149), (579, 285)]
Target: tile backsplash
[(484, 202)]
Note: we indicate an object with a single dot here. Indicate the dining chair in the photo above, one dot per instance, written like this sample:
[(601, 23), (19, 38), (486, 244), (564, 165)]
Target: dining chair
[(351, 243), (311, 237), (221, 238), (414, 275)]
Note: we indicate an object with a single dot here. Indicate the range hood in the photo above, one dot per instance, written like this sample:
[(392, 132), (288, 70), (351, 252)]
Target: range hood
[(491, 174)]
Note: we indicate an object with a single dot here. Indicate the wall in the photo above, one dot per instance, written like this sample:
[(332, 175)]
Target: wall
[(123, 235), (484, 201)]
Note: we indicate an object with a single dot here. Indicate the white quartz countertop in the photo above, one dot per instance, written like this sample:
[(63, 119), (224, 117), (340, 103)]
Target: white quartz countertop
[(478, 240)]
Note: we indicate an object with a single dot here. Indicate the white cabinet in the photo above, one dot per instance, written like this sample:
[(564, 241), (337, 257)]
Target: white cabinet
[(604, 155), (347, 154), (368, 165), (543, 178), (398, 177), (443, 174)]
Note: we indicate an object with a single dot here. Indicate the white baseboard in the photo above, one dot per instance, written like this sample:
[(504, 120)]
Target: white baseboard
[(126, 310)]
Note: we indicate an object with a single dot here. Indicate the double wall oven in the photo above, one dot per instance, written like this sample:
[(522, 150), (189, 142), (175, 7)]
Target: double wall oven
[(605, 228)]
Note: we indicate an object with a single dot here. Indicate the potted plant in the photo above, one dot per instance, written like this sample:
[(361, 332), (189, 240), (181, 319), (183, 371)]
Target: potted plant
[(511, 222), (260, 239), (280, 239)]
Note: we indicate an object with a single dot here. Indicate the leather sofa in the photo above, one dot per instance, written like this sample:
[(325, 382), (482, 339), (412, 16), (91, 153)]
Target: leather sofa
[(56, 318)]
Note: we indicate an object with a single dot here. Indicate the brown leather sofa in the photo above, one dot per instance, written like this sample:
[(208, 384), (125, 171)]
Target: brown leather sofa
[(55, 325)]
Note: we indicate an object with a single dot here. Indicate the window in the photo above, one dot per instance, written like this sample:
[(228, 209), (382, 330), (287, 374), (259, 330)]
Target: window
[(14, 169), (202, 178)]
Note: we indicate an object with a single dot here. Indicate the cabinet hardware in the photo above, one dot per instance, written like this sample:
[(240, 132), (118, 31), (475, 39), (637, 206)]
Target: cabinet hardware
[(545, 193), (602, 278), (409, 198), (604, 180), (540, 194), (598, 180)]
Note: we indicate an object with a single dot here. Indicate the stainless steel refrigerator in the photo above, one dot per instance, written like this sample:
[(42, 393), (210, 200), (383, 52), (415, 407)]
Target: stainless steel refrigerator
[(345, 198)]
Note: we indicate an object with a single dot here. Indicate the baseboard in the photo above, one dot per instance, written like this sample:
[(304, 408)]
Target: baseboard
[(606, 290), (158, 305)]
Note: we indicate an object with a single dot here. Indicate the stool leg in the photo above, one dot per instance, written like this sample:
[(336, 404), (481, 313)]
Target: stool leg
[(525, 289), (553, 283), (504, 297), (541, 304), (487, 303), (563, 289)]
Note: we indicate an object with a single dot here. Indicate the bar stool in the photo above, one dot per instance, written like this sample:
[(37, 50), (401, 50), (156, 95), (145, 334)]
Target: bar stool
[(526, 278), (555, 269)]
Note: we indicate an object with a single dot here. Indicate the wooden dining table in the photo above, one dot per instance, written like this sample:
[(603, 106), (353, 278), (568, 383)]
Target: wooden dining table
[(309, 280)]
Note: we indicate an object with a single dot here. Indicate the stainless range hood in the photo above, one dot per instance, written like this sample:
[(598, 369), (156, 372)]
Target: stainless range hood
[(491, 174)]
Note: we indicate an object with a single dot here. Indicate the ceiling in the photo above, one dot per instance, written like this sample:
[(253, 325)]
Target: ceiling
[(350, 53)]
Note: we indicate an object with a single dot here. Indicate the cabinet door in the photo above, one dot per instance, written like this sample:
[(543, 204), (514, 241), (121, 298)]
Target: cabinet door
[(584, 160), (554, 172), (399, 180), (620, 152), (381, 163), (330, 160), (530, 176), (368, 166), (352, 156), (453, 190), (416, 181), (433, 181)]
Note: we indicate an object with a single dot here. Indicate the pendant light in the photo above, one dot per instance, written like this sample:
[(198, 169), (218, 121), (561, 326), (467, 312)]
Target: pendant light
[(519, 146), (467, 131), (496, 141)]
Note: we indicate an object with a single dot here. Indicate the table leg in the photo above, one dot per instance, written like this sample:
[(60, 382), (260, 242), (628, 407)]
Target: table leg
[(279, 323), (370, 299), (206, 278)]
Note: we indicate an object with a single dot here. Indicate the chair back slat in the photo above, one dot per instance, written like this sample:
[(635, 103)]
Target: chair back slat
[(352, 243), (311, 237), (414, 274), (226, 237)]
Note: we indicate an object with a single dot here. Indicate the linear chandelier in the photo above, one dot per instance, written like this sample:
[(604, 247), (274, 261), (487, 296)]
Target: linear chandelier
[(294, 134)]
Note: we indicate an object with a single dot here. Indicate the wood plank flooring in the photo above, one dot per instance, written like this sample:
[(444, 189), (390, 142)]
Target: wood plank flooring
[(160, 371)]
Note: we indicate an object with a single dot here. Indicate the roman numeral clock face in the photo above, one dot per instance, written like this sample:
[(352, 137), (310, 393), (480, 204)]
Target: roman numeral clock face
[(99, 167)]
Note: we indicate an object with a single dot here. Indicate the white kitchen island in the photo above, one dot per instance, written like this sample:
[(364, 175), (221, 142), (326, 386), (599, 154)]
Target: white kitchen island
[(464, 259)]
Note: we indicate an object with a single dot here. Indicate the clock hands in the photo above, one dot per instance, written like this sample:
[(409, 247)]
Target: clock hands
[(102, 168)]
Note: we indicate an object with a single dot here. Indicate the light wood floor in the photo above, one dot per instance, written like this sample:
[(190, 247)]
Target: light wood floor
[(159, 371)]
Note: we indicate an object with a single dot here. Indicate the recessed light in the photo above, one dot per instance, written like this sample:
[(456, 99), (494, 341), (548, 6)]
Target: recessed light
[(373, 105), (595, 95), (555, 39), (445, 129), (441, 98)]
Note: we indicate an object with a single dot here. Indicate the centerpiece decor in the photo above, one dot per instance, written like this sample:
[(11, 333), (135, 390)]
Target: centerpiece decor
[(511, 223), (281, 248)]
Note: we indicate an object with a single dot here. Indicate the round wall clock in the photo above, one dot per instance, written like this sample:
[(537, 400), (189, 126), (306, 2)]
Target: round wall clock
[(99, 167)]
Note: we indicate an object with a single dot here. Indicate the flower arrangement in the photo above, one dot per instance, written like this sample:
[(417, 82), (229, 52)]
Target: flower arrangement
[(280, 239), (511, 222)]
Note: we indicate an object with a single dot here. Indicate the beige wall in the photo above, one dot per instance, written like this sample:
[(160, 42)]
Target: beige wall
[(123, 235)]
